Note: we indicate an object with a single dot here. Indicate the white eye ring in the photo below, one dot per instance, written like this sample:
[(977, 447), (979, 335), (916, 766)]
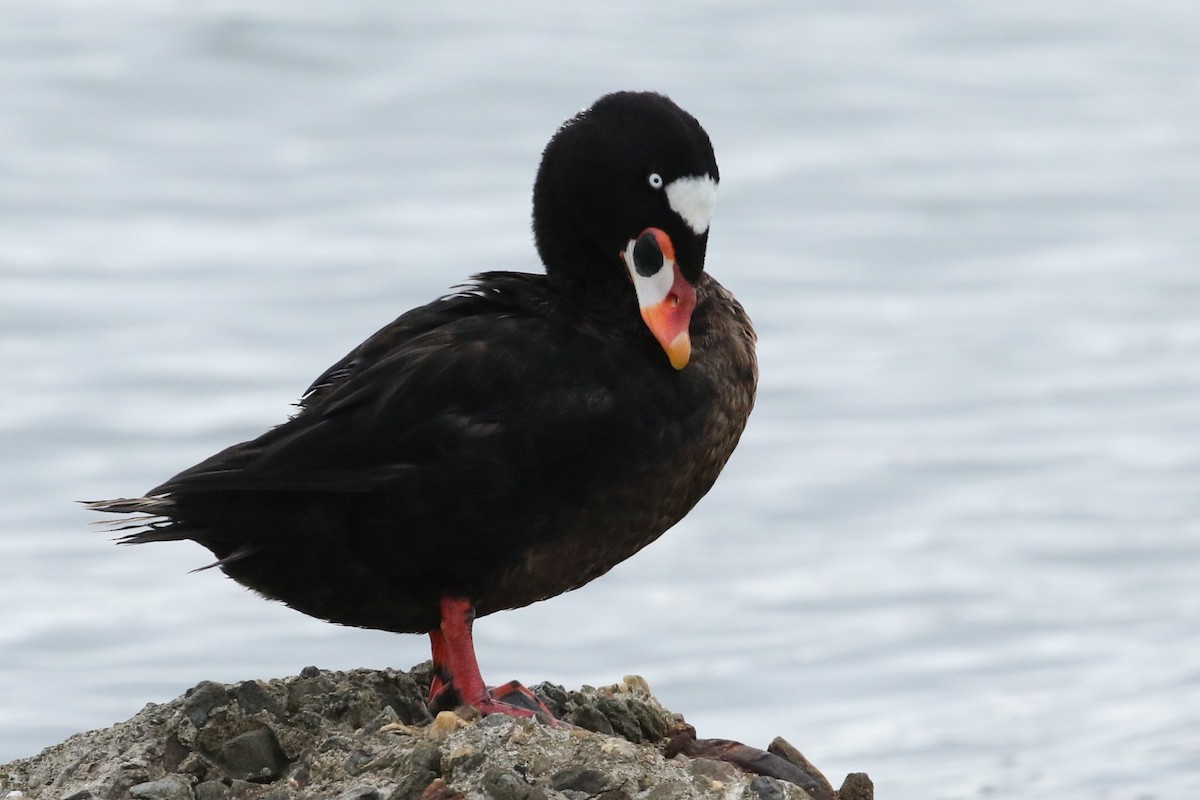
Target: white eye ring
[(656, 181)]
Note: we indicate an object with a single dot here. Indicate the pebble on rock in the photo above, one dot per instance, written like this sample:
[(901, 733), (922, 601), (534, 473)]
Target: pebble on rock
[(445, 723)]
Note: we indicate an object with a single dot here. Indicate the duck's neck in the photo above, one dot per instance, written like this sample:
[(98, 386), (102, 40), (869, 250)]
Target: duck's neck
[(595, 285)]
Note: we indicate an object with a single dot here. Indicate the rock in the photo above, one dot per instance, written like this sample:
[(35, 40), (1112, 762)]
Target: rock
[(764, 787), (412, 785), (591, 718), (253, 697), (366, 735), (462, 760), (253, 756), (819, 787), (169, 788), (444, 724), (683, 741), (211, 790), (357, 761), (581, 779), (507, 785), (636, 683), (202, 699), (360, 793), (857, 786), (721, 771), (425, 755), (438, 790)]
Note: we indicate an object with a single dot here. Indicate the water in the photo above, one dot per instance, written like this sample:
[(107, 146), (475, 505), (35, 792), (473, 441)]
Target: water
[(959, 547)]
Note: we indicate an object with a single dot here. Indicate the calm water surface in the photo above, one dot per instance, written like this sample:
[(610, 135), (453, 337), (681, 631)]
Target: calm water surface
[(959, 547)]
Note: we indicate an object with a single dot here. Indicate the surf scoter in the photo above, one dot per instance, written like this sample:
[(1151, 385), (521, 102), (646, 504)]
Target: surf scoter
[(513, 440)]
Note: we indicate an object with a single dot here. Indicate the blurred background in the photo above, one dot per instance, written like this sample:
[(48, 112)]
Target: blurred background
[(959, 547)]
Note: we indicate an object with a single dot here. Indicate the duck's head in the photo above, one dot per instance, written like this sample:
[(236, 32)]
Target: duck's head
[(621, 210)]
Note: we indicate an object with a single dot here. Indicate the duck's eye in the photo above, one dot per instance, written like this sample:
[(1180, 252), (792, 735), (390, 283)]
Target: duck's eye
[(655, 180)]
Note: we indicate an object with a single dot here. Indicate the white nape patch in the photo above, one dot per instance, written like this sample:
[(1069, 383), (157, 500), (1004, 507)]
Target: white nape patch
[(651, 289), (693, 199)]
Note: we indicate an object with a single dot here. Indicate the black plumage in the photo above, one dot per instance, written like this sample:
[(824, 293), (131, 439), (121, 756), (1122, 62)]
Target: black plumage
[(508, 442)]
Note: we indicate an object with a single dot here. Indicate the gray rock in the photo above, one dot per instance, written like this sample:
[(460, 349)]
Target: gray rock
[(612, 794), (311, 691), (168, 788), (462, 761), (623, 723), (365, 735), (356, 763), (581, 779), (240, 788), (553, 696), (671, 790), (714, 770), (412, 785), (360, 793), (507, 785), (253, 697), (654, 725), (252, 756), (211, 790), (764, 787), (202, 699), (427, 756), (591, 718)]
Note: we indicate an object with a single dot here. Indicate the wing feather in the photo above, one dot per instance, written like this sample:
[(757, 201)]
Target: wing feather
[(457, 388)]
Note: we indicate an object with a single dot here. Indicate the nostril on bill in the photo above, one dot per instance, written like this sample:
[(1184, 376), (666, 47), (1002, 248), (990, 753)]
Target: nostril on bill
[(647, 255)]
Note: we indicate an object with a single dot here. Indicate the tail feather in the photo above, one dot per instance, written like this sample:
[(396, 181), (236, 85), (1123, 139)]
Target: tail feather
[(152, 520), (151, 506), (236, 555)]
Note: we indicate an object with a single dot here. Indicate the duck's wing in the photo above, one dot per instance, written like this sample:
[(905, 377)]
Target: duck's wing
[(479, 389)]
